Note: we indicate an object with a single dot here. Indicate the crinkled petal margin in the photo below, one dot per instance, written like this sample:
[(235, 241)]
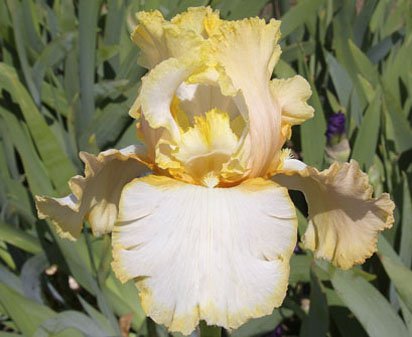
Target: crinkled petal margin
[(216, 254), (344, 218), (96, 195), (291, 95)]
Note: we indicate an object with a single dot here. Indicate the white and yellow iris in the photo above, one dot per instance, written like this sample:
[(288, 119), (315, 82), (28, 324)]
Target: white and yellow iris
[(209, 233)]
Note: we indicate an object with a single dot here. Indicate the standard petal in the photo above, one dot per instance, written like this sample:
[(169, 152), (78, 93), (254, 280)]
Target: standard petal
[(149, 36), (344, 218), (291, 95), (156, 95), (196, 19), (182, 37), (197, 99), (94, 196), (217, 254), (245, 53)]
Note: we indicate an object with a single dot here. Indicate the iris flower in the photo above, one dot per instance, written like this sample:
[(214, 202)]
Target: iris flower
[(200, 216)]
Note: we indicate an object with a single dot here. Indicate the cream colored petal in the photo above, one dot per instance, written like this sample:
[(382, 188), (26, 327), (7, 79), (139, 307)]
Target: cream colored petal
[(197, 99), (245, 53), (344, 218), (157, 92), (94, 196), (216, 254), (291, 95)]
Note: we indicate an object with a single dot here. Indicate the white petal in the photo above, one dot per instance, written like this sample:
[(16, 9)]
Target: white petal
[(344, 218), (221, 254), (96, 195)]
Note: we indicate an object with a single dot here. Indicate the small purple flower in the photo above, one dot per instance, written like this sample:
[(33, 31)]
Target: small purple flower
[(336, 125)]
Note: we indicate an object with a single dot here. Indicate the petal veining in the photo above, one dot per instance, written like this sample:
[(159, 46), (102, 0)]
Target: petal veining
[(94, 196), (245, 53), (344, 218), (217, 254)]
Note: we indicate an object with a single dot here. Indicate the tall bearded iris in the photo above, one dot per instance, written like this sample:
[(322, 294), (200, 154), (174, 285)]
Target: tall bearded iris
[(209, 232)]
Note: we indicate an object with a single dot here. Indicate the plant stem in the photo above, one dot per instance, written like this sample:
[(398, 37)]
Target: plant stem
[(209, 331)]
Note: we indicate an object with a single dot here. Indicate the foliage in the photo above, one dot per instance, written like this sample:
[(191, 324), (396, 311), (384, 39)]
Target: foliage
[(68, 75)]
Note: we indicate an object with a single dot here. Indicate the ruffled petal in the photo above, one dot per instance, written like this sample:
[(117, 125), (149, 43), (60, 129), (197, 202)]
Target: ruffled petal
[(216, 254), (196, 19), (96, 195), (182, 37), (149, 36), (156, 95), (245, 52), (291, 95), (344, 218)]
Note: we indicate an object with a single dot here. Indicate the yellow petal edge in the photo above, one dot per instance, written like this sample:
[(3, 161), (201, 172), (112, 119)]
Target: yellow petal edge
[(94, 196), (223, 257), (344, 218)]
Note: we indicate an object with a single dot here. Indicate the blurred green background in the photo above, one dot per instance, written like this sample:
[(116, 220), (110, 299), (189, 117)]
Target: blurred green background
[(68, 75)]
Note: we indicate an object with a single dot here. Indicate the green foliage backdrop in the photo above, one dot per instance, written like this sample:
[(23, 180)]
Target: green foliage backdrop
[(68, 76)]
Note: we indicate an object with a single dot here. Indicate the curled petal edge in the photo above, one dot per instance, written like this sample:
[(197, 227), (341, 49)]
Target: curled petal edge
[(344, 218), (228, 241), (95, 195)]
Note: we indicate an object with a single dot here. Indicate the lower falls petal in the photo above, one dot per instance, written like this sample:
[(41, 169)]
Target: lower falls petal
[(197, 253)]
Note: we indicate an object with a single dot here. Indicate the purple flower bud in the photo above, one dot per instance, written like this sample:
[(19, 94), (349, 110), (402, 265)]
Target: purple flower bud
[(297, 249), (336, 125), (279, 331)]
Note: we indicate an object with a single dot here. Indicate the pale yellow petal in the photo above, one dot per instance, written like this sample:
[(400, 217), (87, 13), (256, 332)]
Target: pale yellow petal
[(182, 37), (245, 53), (149, 36), (344, 218), (94, 196), (194, 19), (291, 95), (196, 253)]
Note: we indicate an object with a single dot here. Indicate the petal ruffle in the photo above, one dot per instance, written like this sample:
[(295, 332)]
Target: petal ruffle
[(344, 218), (217, 254), (96, 195), (182, 37), (156, 96), (149, 36), (245, 52), (291, 95)]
